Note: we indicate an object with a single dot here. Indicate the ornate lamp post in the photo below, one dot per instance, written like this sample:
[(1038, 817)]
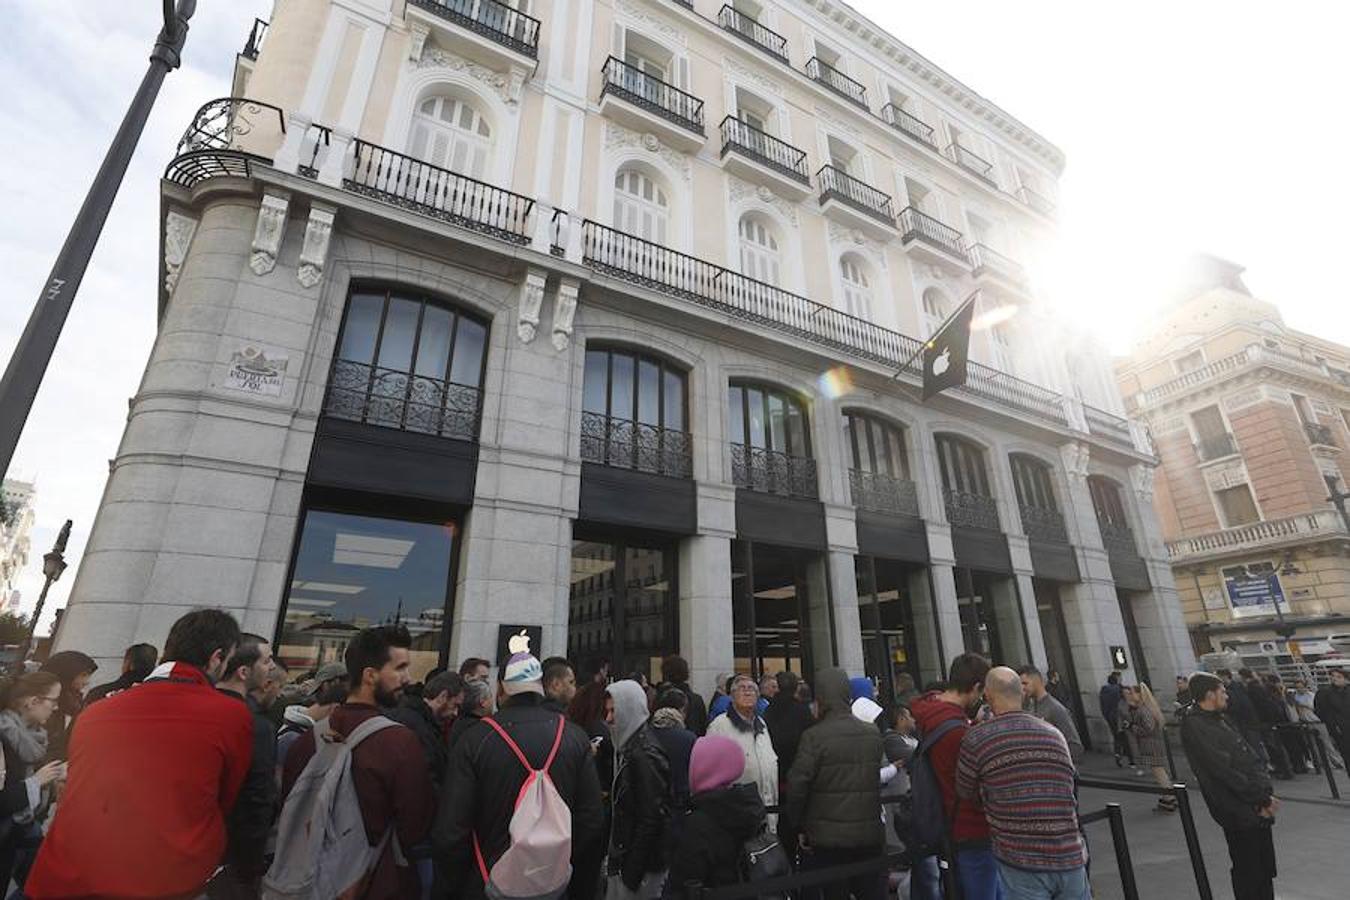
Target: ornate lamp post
[(53, 564)]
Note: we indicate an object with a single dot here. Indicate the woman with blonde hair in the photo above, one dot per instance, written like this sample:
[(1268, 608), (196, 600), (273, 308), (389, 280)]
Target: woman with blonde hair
[(1146, 725)]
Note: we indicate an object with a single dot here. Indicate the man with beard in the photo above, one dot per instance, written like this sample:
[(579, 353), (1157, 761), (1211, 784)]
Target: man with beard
[(389, 769), (152, 773)]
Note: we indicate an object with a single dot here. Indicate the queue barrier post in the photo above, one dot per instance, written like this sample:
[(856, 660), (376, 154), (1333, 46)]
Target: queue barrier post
[(1171, 760), (1122, 845), (1192, 841)]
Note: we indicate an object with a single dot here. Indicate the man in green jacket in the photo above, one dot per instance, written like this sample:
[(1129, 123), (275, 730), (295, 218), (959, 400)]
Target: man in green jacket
[(834, 791)]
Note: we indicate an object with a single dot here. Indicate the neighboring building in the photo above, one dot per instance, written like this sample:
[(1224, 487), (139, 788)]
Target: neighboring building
[(1251, 421), (16, 527), (586, 316)]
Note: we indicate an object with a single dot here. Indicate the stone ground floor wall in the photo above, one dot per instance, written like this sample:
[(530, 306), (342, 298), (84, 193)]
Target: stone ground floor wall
[(205, 493)]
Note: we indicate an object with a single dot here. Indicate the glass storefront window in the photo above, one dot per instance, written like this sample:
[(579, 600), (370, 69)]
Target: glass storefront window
[(354, 571), (899, 623), (622, 606), (991, 617), (779, 622)]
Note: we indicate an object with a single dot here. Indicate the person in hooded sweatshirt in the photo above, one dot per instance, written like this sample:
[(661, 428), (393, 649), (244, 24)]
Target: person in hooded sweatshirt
[(723, 815), (330, 689), (640, 800)]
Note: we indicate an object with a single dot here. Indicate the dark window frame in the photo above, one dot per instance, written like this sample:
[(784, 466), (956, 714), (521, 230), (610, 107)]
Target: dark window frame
[(789, 398), (639, 356), (1033, 481), (963, 465), (1106, 501), (892, 434)]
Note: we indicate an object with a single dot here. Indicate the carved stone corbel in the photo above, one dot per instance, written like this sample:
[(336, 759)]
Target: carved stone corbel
[(1141, 478), (1076, 456), (178, 232), (314, 252), (269, 231), (418, 39), (564, 309), (531, 301)]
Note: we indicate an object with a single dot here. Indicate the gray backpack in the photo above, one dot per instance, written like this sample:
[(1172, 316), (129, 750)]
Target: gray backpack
[(322, 850)]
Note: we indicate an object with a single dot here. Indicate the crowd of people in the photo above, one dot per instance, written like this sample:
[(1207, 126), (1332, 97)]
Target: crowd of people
[(207, 771)]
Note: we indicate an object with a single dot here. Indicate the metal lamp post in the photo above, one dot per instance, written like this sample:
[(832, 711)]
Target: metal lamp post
[(33, 353), (1337, 498), (53, 564)]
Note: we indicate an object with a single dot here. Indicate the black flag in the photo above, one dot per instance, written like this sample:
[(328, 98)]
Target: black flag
[(945, 354)]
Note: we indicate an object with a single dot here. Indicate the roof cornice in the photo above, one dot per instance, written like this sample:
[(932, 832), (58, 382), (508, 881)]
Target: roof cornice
[(934, 76)]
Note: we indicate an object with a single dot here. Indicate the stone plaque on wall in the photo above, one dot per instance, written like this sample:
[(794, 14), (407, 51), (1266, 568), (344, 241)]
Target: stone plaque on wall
[(253, 371)]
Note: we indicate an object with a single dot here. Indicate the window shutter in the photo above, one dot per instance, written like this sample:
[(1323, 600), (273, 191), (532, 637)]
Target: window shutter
[(682, 79), (618, 42)]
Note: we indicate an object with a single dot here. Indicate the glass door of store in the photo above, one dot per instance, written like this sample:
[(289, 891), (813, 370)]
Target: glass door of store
[(901, 649), (991, 617), (622, 606), (1058, 653), (772, 599)]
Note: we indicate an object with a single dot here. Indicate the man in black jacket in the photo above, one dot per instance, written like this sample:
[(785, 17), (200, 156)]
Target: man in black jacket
[(1236, 787), (1269, 713), (1332, 706), (675, 674), (641, 800), (834, 790), (427, 716), (137, 664), (787, 718), (485, 778), (1242, 713)]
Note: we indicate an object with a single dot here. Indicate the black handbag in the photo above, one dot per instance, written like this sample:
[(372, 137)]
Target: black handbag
[(762, 858)]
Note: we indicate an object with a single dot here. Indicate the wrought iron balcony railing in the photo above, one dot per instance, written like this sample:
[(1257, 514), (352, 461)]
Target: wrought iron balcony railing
[(976, 165), (764, 148), (492, 19), (773, 472), (626, 444), (968, 510), (1320, 434), (225, 137), (883, 493), (1043, 524), (391, 398), (746, 27), (1108, 425), (917, 225), (839, 185), (836, 81), (655, 266), (440, 193), (1038, 202), (1259, 535), (1216, 446), (913, 126), (652, 94), (255, 39), (985, 259), (1117, 539)]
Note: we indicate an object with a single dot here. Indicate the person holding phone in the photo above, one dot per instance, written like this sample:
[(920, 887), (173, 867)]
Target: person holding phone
[(28, 702)]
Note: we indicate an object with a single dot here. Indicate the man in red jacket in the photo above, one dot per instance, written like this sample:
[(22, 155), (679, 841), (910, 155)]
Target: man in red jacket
[(975, 865), (153, 772)]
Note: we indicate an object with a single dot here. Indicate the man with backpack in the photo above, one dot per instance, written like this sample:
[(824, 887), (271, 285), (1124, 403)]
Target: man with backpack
[(388, 777), (941, 824), (490, 830)]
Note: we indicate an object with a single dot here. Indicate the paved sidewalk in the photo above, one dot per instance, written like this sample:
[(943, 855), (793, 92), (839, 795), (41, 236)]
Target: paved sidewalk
[(1312, 839)]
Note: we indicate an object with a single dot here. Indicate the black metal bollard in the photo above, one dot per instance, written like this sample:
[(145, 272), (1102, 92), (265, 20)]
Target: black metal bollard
[(1122, 844), (1326, 764), (1192, 841)]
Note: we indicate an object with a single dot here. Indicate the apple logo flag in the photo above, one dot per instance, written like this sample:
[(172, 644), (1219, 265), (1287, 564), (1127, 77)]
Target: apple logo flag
[(945, 353)]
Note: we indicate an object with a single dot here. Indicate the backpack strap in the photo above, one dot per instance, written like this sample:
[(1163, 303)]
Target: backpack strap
[(366, 729), (557, 742), (520, 755)]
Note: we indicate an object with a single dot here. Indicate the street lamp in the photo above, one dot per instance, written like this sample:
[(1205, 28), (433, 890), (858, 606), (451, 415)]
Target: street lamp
[(53, 564), (23, 375), (1336, 497)]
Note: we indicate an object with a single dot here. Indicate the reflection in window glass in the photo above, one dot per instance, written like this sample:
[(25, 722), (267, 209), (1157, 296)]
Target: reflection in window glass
[(352, 572), (621, 387), (467, 365), (362, 328), (754, 399), (777, 423), (736, 415), (674, 401), (433, 347), (649, 392), (400, 325), (597, 375)]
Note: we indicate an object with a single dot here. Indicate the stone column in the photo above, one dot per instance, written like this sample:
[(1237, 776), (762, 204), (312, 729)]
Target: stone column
[(1031, 618), (706, 588), (941, 564), (841, 535), (1162, 625)]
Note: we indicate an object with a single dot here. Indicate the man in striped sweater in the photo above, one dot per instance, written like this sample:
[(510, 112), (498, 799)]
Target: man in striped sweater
[(1019, 767)]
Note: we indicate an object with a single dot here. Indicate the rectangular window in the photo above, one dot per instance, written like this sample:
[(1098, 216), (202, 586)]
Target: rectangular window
[(1237, 506), (1209, 423), (1189, 362)]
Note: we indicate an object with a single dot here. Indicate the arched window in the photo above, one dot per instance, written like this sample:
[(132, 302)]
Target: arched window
[(857, 288), (878, 461), (641, 205), (759, 250), (965, 483), (451, 133), (1106, 502), (935, 311), (770, 444), (633, 413), (410, 362), (1034, 483)]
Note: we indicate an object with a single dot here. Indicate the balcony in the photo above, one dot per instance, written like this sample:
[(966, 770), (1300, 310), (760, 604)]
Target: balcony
[(931, 240), (1319, 435), (484, 31), (761, 158), (439, 193), (883, 493), (625, 444), (766, 307), (225, 138), (1215, 447), (1263, 536), (970, 162), (1041, 524), (909, 125), (391, 398), (1250, 357), (645, 103), (855, 204), (967, 510), (997, 272), (1038, 202), (837, 81), (751, 31), (1108, 426), (773, 472), (255, 40)]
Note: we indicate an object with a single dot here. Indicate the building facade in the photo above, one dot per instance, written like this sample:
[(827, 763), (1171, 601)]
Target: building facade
[(1251, 421), (597, 318), (16, 528)]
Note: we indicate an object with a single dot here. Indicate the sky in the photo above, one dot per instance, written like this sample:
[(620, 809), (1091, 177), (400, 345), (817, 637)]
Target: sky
[(1188, 126)]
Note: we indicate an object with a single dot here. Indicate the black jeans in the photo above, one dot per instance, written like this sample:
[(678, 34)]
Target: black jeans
[(1253, 853), (871, 886)]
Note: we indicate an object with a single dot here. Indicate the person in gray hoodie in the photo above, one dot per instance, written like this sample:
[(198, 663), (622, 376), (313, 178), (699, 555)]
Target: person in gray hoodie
[(641, 800)]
